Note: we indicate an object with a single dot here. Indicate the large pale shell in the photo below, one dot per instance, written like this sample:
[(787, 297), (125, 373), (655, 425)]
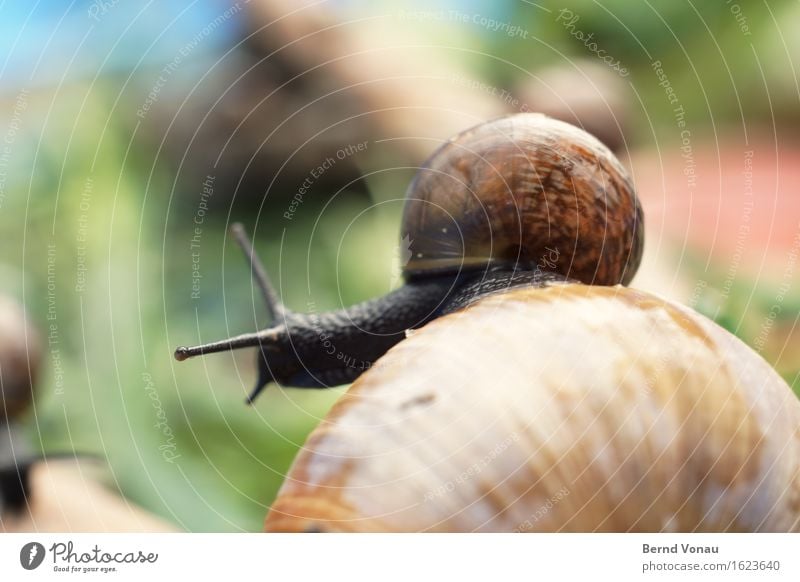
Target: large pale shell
[(524, 191), (568, 408)]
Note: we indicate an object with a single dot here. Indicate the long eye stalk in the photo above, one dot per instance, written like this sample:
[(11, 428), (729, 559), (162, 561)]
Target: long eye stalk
[(275, 310), (319, 350)]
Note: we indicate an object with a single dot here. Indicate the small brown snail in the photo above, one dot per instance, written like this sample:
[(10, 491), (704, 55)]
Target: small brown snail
[(519, 200), (52, 493), (562, 408), (20, 360)]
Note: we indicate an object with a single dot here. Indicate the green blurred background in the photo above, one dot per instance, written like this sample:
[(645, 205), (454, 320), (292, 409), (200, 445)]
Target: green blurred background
[(100, 199)]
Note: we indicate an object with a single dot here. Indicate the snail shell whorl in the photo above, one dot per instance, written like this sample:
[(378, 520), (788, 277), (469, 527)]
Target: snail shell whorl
[(514, 190), (566, 408), (20, 359)]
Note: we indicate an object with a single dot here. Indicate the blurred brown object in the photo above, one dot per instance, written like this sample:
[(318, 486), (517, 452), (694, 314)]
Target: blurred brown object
[(39, 495), (20, 359), (584, 93), (732, 199), (402, 87), (302, 88), (65, 499)]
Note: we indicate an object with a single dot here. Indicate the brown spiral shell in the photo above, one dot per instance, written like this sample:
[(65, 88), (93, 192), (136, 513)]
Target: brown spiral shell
[(519, 191)]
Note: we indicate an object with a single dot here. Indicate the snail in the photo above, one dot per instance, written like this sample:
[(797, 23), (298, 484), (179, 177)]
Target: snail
[(20, 360), (518, 201), (559, 408), (52, 492)]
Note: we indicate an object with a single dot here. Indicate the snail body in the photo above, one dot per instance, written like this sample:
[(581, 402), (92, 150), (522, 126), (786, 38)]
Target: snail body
[(20, 360), (561, 408), (518, 201)]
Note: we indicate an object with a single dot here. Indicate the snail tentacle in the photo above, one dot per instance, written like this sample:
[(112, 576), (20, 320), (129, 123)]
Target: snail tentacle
[(319, 350)]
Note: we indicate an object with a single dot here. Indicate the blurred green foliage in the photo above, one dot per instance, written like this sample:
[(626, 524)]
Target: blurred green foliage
[(728, 61)]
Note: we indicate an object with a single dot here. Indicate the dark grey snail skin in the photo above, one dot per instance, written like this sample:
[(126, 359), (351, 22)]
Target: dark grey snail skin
[(336, 347), (521, 200), (332, 348)]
